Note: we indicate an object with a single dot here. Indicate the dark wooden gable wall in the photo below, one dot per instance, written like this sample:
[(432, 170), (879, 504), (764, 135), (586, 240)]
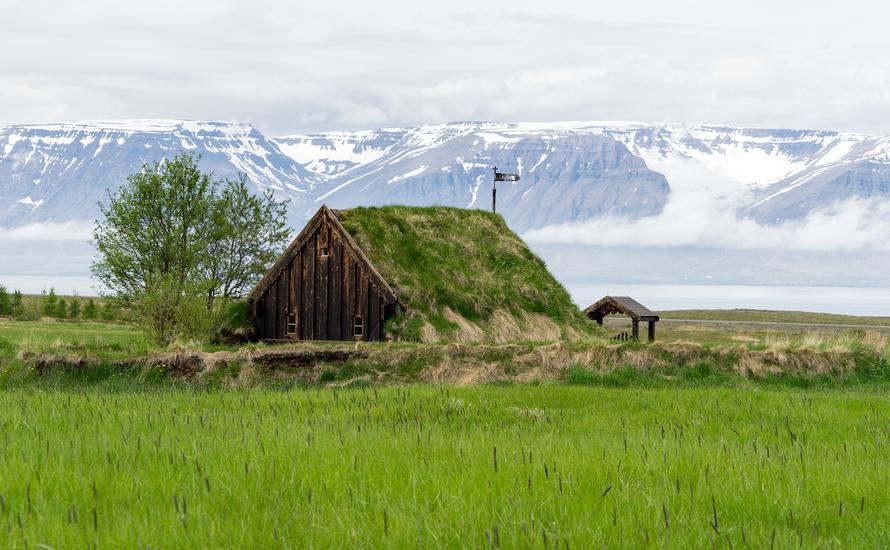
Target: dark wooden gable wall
[(322, 292)]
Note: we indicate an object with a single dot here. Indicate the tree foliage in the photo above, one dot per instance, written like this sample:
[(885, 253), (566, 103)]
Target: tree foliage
[(5, 303), (175, 238), (18, 304), (62, 309), (74, 308), (50, 305), (89, 310), (250, 231), (154, 228), (108, 312)]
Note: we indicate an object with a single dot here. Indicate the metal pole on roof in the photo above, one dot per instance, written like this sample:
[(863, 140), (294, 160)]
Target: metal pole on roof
[(499, 176)]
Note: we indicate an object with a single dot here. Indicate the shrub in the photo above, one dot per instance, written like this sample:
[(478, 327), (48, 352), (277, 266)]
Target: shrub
[(5, 303), (62, 309), (50, 303), (17, 307), (89, 310), (74, 309), (108, 311)]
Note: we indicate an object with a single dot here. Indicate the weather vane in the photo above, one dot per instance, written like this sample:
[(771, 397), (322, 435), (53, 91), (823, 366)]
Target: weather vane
[(498, 176)]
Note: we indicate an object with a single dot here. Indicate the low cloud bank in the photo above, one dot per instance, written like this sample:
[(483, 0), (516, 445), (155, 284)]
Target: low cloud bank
[(64, 231), (854, 224)]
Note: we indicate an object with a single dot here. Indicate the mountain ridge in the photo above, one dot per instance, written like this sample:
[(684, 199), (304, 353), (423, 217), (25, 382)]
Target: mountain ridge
[(571, 171)]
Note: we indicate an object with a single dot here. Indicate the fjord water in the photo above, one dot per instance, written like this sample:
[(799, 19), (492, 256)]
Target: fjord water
[(870, 301)]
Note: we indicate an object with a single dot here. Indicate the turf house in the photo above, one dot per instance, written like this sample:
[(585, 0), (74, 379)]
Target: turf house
[(409, 273)]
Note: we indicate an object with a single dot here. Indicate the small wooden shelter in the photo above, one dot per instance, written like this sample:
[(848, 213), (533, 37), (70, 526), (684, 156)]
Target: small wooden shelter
[(624, 305), (322, 288)]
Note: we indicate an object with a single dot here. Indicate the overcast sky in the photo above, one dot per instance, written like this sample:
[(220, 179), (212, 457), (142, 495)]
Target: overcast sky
[(297, 66)]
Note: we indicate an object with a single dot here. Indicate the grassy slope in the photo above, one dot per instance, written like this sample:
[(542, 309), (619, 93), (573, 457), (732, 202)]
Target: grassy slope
[(466, 261), (520, 466)]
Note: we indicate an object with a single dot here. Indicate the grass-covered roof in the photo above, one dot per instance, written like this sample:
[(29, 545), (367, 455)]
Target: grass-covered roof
[(463, 275)]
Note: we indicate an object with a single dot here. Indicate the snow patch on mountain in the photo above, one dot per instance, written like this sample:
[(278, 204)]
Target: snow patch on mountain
[(30, 202), (406, 175)]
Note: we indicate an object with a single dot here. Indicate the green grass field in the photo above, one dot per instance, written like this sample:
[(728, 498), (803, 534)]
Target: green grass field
[(757, 315), (509, 466), (691, 456), (757, 328), (106, 340)]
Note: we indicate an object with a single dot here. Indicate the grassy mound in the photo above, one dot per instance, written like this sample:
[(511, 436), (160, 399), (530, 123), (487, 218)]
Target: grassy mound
[(464, 275)]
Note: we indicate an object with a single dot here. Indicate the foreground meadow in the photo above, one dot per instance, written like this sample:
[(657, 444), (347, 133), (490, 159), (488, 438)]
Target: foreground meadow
[(486, 466)]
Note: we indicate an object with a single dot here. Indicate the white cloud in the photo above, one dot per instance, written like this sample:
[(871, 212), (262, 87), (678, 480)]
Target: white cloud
[(854, 224), (63, 231), (302, 66)]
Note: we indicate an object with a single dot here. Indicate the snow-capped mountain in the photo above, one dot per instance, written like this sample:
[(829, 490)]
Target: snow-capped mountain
[(570, 172), (332, 153), (574, 171), (58, 172), (597, 200), (771, 175), (565, 176)]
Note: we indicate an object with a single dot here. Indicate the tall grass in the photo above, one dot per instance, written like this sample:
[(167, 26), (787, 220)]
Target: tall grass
[(517, 466)]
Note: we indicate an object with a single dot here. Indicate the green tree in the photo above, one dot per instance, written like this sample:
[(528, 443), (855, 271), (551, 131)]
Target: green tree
[(50, 303), (173, 236), (5, 304), (249, 234), (18, 304), (89, 310), (153, 236), (62, 309), (74, 308), (108, 312)]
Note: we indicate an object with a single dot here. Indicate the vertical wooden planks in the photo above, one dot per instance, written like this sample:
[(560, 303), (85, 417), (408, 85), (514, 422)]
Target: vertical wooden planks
[(273, 292), (335, 284), (262, 323), (273, 309), (373, 313), (348, 296), (267, 316), (362, 300), (321, 284), (309, 285), (270, 312), (298, 293), (292, 301), (281, 286), (286, 288)]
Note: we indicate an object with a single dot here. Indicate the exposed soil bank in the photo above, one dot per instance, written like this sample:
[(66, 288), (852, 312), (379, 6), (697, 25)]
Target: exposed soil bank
[(473, 364)]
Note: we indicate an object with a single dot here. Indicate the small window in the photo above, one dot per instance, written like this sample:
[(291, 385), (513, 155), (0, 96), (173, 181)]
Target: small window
[(291, 323), (358, 328), (324, 252)]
